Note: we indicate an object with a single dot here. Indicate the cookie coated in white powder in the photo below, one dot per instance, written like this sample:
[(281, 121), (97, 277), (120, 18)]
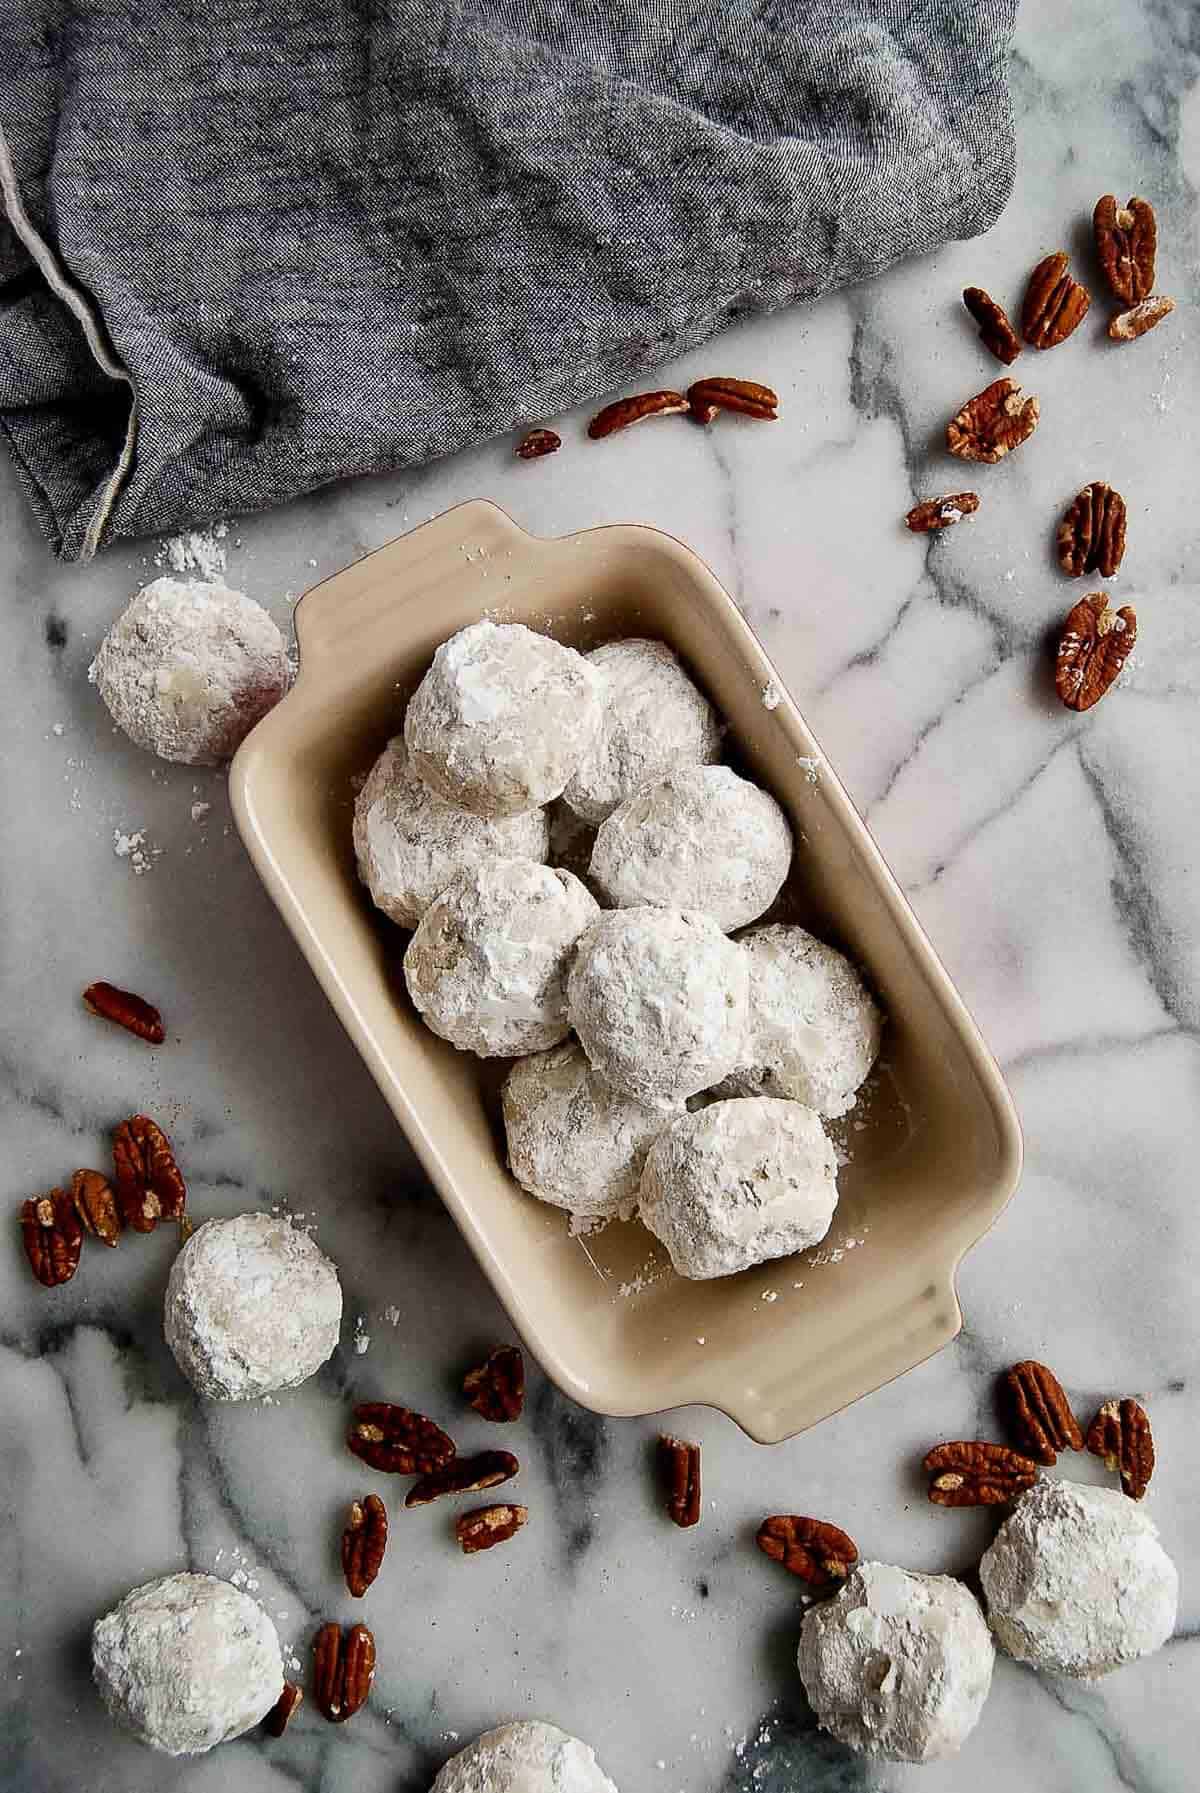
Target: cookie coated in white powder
[(189, 668), (410, 843), (187, 1662), (502, 718), (526, 1756), (487, 967), (654, 720), (253, 1305), (1077, 1582), (701, 838), (737, 1183), (814, 1031), (658, 999), (574, 1140), (898, 1665)]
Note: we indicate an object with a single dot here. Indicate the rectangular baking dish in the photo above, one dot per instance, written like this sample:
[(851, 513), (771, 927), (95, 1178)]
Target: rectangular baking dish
[(933, 1150)]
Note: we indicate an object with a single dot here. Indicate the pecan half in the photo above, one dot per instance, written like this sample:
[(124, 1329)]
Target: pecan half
[(1091, 536), (536, 444), (1092, 649), (1126, 243), (496, 1390), (1055, 303), (487, 1526), (707, 397), (93, 1200), (625, 411), (149, 1186), (133, 1013), (398, 1441), (1120, 1433), (1038, 1413), (1127, 326), (970, 1473), (343, 1670), (679, 1466), (819, 1553), (995, 331), (992, 424), (52, 1236), (282, 1712), (941, 513), (364, 1541), (466, 1475)]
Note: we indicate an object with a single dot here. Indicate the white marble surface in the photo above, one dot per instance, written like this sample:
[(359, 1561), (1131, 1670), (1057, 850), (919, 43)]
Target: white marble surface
[(1052, 859)]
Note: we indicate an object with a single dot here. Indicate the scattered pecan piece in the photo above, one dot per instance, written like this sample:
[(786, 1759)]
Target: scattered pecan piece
[(679, 1466), (1091, 536), (283, 1711), (52, 1236), (819, 1553), (131, 1012), (466, 1475), (707, 397), (970, 1473), (496, 1390), (941, 513), (1055, 303), (538, 443), (1038, 1412), (995, 331), (625, 411), (1127, 326), (992, 424), (1120, 1433), (398, 1441), (489, 1525), (343, 1670), (1092, 649), (1126, 243), (364, 1541), (93, 1200), (149, 1186)]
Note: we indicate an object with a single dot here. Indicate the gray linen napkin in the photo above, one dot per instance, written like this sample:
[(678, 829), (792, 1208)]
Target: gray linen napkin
[(246, 250)]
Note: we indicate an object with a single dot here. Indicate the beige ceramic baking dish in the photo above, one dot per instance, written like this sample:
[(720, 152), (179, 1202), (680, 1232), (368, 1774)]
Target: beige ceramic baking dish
[(933, 1150)]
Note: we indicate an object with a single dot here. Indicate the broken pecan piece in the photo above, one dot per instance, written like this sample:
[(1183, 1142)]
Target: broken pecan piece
[(941, 513), (343, 1670), (1055, 303), (52, 1236), (995, 331), (133, 1013), (819, 1553), (679, 1466), (93, 1200), (1038, 1413), (992, 424), (397, 1440), (364, 1541), (1127, 326), (970, 1473), (1092, 649), (1120, 1433), (487, 1526), (625, 411), (282, 1712), (1126, 243), (466, 1475), (1091, 536), (538, 443), (707, 397), (149, 1185), (496, 1390)]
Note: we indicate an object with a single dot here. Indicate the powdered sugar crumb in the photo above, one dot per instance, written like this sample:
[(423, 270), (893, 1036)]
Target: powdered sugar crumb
[(195, 551), (200, 810), (132, 846), (362, 1338), (772, 696)]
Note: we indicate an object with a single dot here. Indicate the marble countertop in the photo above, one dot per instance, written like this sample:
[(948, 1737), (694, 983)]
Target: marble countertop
[(1053, 860)]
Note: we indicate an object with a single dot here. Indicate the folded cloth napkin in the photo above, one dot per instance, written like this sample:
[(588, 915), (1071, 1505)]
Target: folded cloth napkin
[(246, 250)]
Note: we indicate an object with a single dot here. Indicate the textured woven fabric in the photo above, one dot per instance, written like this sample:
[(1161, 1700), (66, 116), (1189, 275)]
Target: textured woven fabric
[(246, 250)]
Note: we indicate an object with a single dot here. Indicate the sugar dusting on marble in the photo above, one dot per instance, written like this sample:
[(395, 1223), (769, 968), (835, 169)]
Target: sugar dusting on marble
[(132, 846), (199, 551)]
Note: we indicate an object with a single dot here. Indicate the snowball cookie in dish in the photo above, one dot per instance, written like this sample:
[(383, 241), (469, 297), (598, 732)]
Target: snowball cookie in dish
[(410, 844), (702, 838), (737, 1183), (658, 999), (898, 1665), (502, 718), (654, 720), (524, 1757), (189, 668), (187, 1662), (813, 1032), (574, 1140), (487, 967), (253, 1305), (1077, 1582)]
